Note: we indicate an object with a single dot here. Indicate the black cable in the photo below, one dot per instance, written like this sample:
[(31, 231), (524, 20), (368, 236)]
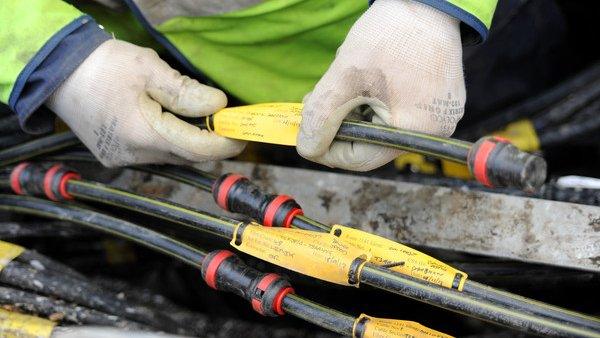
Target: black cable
[(40, 262), (9, 124), (485, 292), (224, 227), (80, 291), (104, 223), (173, 212), (14, 229), (203, 184), (429, 145), (63, 311), (563, 110), (319, 315), (71, 156), (9, 140), (204, 325), (181, 215), (462, 303), (140, 235), (188, 175), (158, 208), (361, 131), (531, 105), (155, 311), (572, 130), (307, 223), (549, 191), (492, 161), (473, 288), (36, 147), (496, 296)]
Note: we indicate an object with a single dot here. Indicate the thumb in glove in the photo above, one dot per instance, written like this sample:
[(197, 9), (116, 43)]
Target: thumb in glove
[(122, 100), (404, 60)]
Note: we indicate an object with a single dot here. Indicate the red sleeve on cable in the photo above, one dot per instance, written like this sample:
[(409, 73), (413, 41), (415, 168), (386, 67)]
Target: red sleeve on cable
[(278, 302), (213, 266), (263, 285), (48, 181), (224, 188), (62, 186), (480, 162), (272, 209), (15, 183), (290, 217)]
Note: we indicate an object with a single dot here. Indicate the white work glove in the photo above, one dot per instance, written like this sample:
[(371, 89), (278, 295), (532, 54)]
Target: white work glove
[(402, 58), (114, 103)]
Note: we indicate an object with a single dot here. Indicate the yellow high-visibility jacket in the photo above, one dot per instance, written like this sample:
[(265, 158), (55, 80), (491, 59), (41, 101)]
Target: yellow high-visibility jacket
[(271, 50)]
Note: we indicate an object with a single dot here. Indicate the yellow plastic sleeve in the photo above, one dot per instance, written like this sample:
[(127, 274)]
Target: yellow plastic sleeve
[(16, 325), (522, 134), (8, 252), (391, 328), (275, 123), (401, 258), (319, 255)]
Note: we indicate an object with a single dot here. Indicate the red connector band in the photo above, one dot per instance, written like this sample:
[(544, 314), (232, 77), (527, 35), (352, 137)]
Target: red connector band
[(62, 186), (480, 162), (272, 208), (48, 177), (213, 266), (224, 188), (264, 283), (278, 301), (287, 223), (15, 182)]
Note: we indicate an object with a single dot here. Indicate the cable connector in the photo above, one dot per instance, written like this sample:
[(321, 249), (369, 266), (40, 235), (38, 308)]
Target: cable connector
[(495, 162), (36, 179), (238, 194), (223, 270)]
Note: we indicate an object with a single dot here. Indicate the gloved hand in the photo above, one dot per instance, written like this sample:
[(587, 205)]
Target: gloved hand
[(114, 103), (402, 58)]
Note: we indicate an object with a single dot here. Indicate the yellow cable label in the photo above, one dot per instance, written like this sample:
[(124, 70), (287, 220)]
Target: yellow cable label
[(457, 170), (521, 134), (8, 252), (371, 327), (316, 254), (16, 325), (275, 123), (401, 258), (415, 163)]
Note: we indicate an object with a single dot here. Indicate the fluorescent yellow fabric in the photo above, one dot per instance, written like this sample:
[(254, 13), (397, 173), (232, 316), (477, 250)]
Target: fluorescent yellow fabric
[(274, 51), (26, 27), (481, 9)]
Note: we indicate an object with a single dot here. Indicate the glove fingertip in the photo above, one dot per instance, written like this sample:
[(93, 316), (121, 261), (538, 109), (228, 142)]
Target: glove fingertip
[(200, 100), (309, 145), (215, 100)]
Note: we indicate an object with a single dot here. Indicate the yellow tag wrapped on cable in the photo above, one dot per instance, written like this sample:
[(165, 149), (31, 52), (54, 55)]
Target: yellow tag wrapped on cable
[(415, 163), (8, 252), (16, 325), (371, 327), (521, 134), (402, 259), (275, 123), (316, 254)]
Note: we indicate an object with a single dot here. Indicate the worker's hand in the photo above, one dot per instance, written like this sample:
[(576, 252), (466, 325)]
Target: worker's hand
[(114, 103), (402, 58)]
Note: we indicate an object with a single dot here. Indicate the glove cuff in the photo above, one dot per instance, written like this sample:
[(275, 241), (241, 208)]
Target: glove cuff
[(49, 68)]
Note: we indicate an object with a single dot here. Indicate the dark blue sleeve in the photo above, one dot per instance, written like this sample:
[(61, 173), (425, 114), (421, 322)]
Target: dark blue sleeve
[(49, 68)]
